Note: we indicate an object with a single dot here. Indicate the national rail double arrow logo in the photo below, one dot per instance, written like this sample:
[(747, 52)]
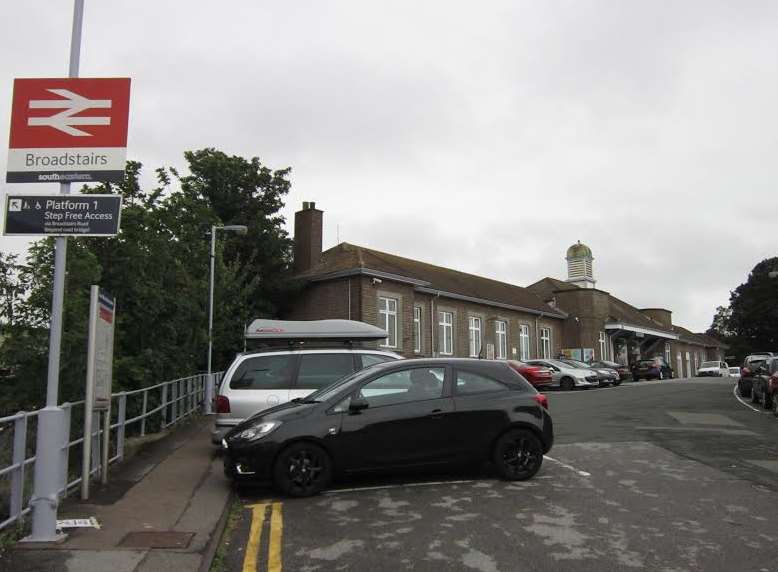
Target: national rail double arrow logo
[(68, 130), (71, 105)]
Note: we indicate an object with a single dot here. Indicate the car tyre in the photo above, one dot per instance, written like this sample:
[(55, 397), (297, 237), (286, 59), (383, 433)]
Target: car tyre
[(567, 384), (775, 406), (302, 469), (616, 383), (767, 400), (518, 455)]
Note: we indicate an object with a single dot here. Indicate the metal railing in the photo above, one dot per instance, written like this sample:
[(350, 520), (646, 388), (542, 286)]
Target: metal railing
[(150, 409)]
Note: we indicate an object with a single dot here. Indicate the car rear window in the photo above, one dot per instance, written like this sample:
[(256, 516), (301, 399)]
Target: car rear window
[(710, 364), (469, 382), (320, 370), (264, 372)]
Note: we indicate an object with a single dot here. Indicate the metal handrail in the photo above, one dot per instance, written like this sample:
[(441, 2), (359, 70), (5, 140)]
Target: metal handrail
[(177, 399)]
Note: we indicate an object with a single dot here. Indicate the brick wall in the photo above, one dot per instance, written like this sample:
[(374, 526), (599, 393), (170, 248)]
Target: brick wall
[(323, 300)]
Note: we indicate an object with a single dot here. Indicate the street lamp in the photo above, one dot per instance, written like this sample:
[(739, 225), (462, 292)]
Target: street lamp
[(240, 229)]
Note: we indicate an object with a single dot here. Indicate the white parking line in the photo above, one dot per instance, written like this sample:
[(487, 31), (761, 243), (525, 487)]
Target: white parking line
[(397, 486), (566, 466), (734, 392)]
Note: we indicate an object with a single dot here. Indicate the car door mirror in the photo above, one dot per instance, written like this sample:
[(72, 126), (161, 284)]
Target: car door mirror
[(357, 404)]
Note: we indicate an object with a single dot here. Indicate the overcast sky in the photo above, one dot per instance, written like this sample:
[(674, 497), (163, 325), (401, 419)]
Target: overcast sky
[(485, 137)]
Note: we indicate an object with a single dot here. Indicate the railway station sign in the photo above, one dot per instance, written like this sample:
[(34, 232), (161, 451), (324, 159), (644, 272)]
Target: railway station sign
[(62, 215), (68, 130)]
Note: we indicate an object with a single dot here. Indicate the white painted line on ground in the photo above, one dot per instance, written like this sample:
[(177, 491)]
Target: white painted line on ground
[(397, 486), (734, 392), (566, 466)]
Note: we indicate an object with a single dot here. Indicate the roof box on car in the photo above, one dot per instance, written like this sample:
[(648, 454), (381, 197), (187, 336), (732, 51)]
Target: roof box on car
[(321, 330)]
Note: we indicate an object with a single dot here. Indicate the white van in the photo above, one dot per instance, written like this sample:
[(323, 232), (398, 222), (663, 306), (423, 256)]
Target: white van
[(300, 357)]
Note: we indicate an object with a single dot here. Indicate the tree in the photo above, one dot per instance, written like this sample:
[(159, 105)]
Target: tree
[(750, 323), (157, 268)]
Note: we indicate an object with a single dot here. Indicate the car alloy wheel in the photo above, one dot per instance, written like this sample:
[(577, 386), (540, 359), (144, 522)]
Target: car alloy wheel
[(302, 469), (518, 455), (661, 374)]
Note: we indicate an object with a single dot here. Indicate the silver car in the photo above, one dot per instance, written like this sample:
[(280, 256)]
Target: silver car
[(565, 376), (605, 376), (257, 381)]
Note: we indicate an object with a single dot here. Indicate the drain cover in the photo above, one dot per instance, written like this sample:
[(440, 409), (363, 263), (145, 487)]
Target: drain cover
[(157, 539)]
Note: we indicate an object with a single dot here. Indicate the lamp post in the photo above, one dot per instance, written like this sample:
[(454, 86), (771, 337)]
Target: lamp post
[(240, 229)]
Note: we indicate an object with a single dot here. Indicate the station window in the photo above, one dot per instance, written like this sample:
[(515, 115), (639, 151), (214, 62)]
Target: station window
[(474, 330), (545, 343), (387, 313), (501, 338), (524, 342), (446, 333), (417, 329), (603, 346)]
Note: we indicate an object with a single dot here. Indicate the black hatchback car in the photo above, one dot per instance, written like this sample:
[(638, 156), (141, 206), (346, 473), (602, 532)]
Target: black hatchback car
[(397, 415)]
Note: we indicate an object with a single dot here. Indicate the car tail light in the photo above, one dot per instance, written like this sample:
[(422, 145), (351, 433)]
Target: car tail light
[(222, 404), (541, 399)]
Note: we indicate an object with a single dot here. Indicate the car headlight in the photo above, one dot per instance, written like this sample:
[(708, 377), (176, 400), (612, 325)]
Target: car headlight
[(258, 431)]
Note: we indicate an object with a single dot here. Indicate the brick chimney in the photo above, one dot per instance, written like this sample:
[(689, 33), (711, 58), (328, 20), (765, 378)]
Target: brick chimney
[(307, 237)]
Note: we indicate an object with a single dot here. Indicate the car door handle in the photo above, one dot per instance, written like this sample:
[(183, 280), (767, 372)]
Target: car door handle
[(436, 413)]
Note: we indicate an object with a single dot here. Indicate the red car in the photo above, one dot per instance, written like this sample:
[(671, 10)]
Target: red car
[(538, 376)]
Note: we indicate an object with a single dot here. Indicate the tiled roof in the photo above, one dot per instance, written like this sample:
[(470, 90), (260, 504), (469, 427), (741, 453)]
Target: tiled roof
[(700, 339), (618, 310), (347, 257)]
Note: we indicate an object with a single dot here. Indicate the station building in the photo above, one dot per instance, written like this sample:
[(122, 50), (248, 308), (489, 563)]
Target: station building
[(431, 311)]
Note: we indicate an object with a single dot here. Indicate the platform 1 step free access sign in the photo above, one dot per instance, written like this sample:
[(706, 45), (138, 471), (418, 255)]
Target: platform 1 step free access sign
[(68, 130), (62, 215)]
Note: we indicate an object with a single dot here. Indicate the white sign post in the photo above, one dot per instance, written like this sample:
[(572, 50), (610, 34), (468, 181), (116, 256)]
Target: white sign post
[(99, 376)]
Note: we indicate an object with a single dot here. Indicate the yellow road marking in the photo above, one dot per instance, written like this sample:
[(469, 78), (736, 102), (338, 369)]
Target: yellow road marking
[(276, 532), (255, 536), (250, 560)]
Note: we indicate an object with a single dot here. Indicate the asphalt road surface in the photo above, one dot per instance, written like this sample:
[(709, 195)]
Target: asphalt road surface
[(661, 476)]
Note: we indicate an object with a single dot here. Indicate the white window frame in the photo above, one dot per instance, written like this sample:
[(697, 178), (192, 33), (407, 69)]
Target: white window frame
[(387, 315), (501, 338), (417, 329), (545, 343), (524, 342), (474, 335), (445, 333), (603, 346)]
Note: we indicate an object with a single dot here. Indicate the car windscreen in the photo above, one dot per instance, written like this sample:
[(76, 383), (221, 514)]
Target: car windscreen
[(575, 364), (710, 364)]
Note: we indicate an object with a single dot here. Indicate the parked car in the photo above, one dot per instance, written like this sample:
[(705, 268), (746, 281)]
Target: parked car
[(713, 369), (605, 376), (734, 372), (275, 375), (764, 380), (750, 364), (620, 369), (538, 376), (396, 415), (566, 376), (772, 387), (653, 368)]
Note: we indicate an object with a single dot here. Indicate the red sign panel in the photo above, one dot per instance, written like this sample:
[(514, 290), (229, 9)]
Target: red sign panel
[(68, 129)]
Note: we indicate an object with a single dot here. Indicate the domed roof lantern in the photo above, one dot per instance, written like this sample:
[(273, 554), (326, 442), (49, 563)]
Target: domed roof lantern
[(579, 250), (579, 265)]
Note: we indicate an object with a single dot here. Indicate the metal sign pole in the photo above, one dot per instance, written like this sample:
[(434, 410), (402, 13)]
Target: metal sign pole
[(45, 499), (89, 397)]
